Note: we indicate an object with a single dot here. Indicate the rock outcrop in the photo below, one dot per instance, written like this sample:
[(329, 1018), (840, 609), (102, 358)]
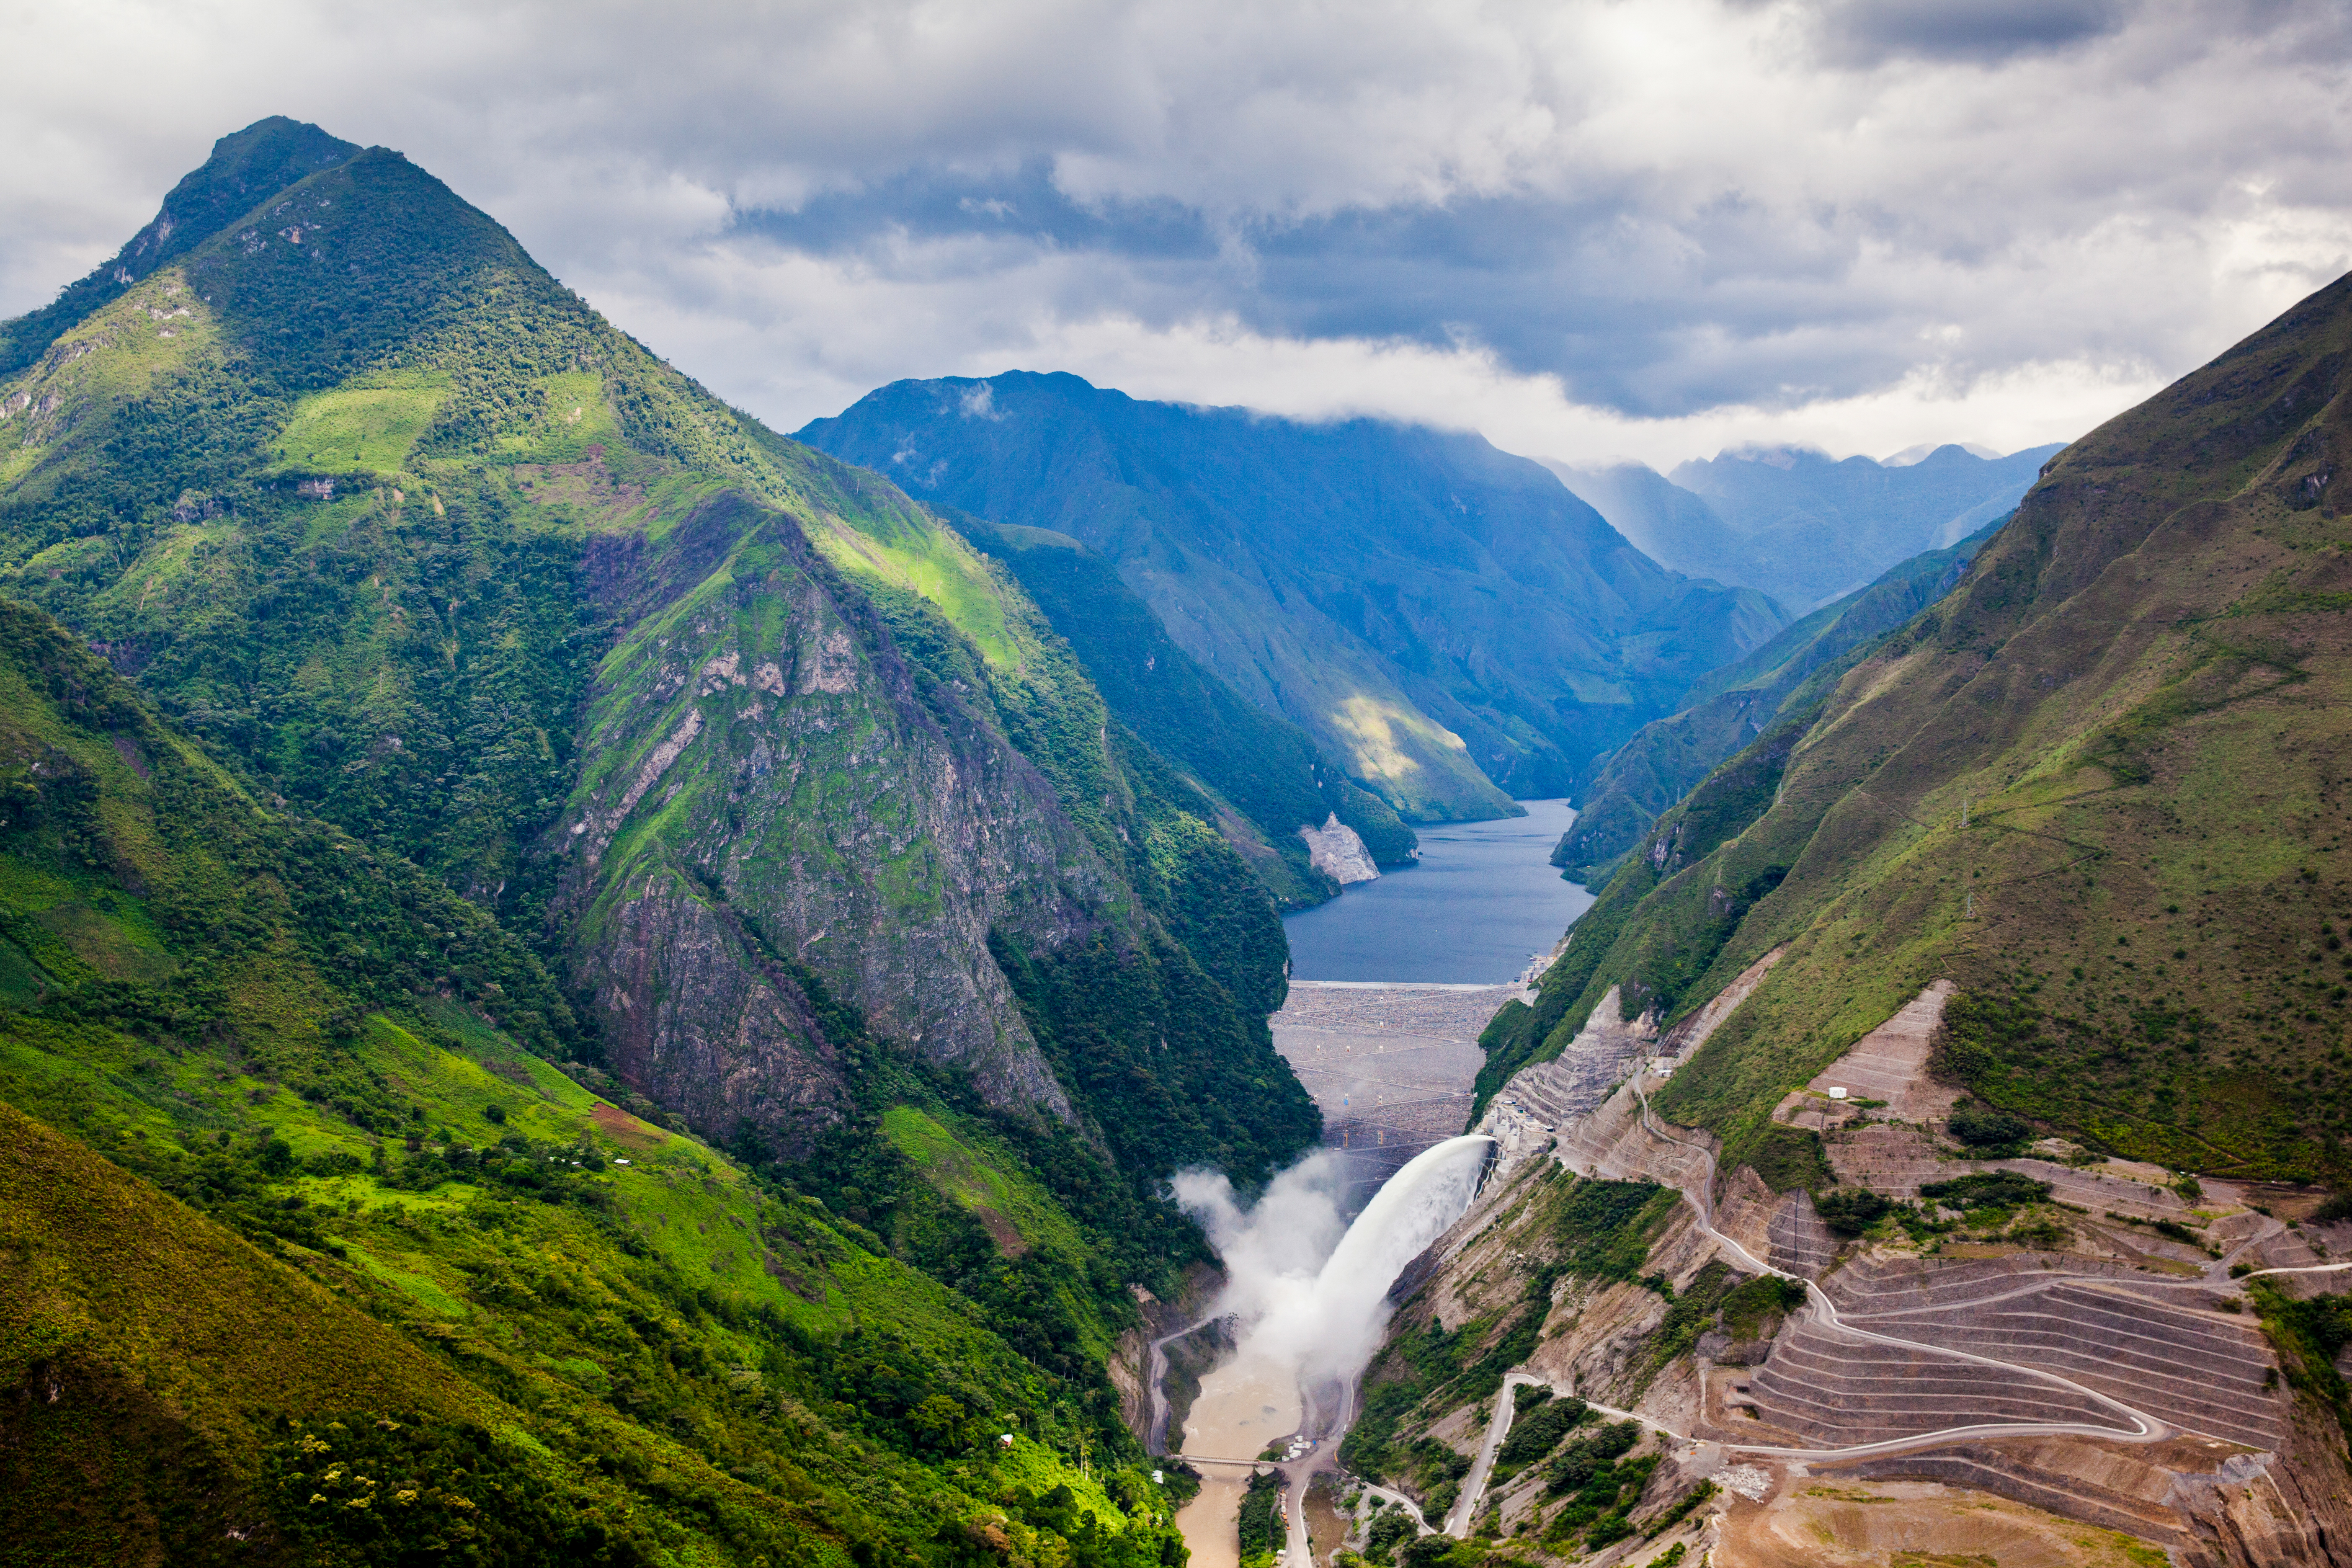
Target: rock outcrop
[(1335, 850), (757, 747)]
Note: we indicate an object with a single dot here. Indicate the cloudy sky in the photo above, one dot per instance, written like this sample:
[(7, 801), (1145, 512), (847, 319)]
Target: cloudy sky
[(1645, 229)]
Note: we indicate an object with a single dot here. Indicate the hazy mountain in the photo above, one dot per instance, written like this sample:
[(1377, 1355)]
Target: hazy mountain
[(1797, 525), (1731, 706), (1443, 618)]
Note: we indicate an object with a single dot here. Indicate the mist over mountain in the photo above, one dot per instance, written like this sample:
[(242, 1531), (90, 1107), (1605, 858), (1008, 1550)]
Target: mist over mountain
[(1444, 619), (1798, 525)]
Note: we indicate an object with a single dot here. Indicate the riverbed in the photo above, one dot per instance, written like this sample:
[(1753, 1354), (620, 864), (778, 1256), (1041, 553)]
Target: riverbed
[(1392, 983), (1243, 1405), (1482, 903)]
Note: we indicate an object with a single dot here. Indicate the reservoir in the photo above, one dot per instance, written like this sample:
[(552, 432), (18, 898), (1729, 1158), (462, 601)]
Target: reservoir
[(1483, 900)]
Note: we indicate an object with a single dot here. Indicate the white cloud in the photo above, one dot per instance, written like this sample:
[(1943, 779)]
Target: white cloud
[(1589, 229)]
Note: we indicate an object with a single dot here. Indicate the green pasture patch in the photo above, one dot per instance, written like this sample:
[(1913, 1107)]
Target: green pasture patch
[(79, 1075), (1035, 1467), (457, 1091), (22, 982), (1016, 1213), (706, 1227), (418, 1287), (573, 416), (118, 948), (670, 498), (333, 519), (68, 557), (1023, 537), (172, 562), (921, 557), (356, 429)]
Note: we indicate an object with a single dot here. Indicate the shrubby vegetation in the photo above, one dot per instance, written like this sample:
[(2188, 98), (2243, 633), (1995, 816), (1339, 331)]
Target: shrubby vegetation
[(1601, 1485), (1594, 1230), (275, 935), (1262, 1526), (310, 1042)]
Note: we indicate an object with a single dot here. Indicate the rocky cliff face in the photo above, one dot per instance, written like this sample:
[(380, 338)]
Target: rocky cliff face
[(761, 781), (744, 736), (1336, 851)]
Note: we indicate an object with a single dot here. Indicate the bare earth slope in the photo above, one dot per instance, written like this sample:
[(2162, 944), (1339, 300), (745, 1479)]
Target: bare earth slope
[(2068, 845)]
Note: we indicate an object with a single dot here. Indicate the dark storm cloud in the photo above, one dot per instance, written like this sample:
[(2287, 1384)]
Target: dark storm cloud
[(1982, 32)]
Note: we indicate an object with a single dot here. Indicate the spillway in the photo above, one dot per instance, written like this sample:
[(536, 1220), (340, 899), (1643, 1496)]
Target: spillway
[(1333, 1330), (1316, 1329)]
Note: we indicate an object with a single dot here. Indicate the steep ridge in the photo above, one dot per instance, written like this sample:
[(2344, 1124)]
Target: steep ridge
[(1264, 775), (1729, 707), (353, 1237), (1444, 619), (2042, 890), (246, 167), (378, 510), (2040, 790)]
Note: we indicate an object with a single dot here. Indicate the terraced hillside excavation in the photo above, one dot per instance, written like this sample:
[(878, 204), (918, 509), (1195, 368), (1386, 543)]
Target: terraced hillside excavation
[(2115, 1377)]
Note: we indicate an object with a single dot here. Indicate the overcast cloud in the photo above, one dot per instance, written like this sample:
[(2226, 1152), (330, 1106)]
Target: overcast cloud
[(1588, 230)]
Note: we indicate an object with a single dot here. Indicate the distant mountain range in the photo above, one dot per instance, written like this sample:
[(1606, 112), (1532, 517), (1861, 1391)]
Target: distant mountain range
[(1731, 707), (1444, 619), (1798, 525)]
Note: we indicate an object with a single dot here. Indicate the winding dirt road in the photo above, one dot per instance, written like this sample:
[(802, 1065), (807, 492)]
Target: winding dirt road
[(2143, 1428)]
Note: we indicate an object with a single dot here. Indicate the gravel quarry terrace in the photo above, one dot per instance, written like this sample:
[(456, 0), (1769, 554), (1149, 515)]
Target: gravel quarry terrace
[(2118, 1382)]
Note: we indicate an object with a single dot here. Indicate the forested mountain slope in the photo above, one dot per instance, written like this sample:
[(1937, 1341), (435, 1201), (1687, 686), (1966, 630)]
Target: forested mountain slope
[(361, 1240), (1441, 618), (499, 760), (1731, 706), (369, 500), (1267, 771), (2099, 786)]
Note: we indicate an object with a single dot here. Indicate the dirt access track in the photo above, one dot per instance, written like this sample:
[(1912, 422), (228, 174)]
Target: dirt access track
[(2130, 1392)]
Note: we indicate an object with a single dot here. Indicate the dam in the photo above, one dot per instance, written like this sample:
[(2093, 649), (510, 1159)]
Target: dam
[(1392, 982)]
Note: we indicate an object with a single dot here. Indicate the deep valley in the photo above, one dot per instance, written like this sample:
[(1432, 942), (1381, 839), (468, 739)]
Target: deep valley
[(583, 981)]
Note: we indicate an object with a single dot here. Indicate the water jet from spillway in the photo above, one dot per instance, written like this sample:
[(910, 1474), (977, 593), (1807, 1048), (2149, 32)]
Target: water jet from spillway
[(1311, 1298), (1306, 1303)]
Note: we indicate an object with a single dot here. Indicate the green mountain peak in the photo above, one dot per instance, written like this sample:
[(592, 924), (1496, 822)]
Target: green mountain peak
[(246, 168)]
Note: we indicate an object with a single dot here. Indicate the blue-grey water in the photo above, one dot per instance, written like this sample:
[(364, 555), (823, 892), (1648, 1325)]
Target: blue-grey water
[(1483, 900)]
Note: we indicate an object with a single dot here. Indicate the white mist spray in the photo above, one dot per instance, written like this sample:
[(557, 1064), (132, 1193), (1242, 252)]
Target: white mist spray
[(1311, 1298)]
